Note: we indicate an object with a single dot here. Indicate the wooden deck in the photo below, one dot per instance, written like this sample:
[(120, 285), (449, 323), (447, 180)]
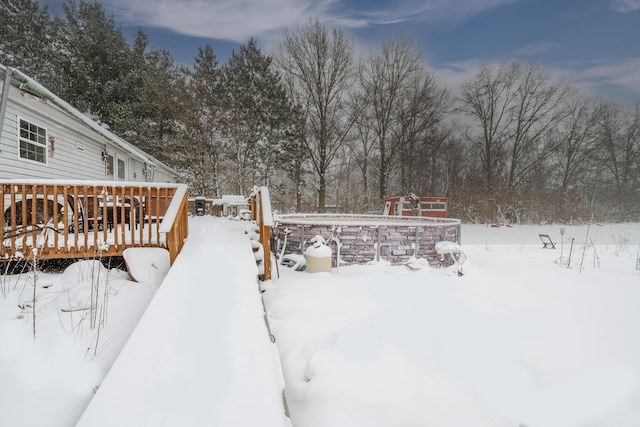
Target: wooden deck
[(80, 219)]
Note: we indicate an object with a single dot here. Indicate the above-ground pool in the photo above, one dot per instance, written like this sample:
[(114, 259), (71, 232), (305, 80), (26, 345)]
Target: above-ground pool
[(358, 239)]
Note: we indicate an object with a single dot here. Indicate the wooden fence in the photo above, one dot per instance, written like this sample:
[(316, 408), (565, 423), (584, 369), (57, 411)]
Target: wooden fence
[(79, 219)]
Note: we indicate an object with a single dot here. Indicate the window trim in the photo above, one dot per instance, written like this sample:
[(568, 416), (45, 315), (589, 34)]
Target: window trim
[(20, 139)]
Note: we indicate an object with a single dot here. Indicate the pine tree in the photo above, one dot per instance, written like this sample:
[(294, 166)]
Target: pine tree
[(260, 121), (160, 86), (25, 37), (94, 62), (199, 153)]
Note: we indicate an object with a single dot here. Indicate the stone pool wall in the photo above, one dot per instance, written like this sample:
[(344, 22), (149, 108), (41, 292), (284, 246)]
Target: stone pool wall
[(360, 244)]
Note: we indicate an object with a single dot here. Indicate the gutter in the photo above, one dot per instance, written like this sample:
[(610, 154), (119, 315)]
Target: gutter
[(4, 98)]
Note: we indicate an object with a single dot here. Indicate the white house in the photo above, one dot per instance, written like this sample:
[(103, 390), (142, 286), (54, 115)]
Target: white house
[(42, 136)]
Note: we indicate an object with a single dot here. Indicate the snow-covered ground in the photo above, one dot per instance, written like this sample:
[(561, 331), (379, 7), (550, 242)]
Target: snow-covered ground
[(518, 340)]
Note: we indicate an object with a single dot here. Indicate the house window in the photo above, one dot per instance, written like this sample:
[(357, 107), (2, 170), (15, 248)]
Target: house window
[(33, 142), (122, 170), (434, 207)]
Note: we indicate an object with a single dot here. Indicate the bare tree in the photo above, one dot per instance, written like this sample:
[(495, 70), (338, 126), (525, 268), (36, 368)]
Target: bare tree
[(318, 64), (513, 111), (487, 101), (362, 147), (619, 144), (575, 143), (384, 76), (420, 132), (347, 183), (535, 113)]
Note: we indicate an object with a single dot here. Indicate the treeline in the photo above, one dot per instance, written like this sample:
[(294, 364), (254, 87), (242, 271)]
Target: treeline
[(327, 128)]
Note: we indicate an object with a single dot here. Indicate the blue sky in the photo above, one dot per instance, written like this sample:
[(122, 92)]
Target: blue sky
[(592, 44)]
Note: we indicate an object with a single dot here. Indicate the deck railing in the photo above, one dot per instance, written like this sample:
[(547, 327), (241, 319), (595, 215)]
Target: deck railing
[(82, 219), (260, 203)]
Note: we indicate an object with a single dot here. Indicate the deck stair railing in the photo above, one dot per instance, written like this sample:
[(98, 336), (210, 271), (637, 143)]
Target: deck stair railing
[(82, 219), (261, 214)]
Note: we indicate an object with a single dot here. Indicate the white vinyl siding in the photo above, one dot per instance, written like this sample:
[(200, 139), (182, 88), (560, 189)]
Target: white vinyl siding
[(78, 148)]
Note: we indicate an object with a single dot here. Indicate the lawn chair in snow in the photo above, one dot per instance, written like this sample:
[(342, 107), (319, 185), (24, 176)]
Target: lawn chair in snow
[(546, 241), (454, 250)]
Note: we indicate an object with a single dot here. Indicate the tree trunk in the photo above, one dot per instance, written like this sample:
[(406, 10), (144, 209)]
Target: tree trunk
[(322, 192)]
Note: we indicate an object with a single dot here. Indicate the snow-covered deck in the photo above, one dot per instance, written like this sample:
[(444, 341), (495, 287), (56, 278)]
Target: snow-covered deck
[(201, 355)]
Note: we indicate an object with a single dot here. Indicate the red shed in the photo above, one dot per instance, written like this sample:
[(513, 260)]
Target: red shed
[(412, 205)]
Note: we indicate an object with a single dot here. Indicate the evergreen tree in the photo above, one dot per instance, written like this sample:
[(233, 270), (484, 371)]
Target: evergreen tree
[(123, 116), (159, 106), (258, 115), (25, 37), (199, 153), (94, 62), (293, 157)]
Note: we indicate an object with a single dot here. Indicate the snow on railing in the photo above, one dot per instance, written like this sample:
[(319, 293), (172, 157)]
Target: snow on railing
[(265, 204), (363, 219)]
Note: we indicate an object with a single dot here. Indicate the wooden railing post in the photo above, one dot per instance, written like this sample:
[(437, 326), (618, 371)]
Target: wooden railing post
[(260, 204), (265, 239)]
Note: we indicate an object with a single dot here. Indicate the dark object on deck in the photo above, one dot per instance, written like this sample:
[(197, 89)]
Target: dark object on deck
[(200, 205), (39, 212)]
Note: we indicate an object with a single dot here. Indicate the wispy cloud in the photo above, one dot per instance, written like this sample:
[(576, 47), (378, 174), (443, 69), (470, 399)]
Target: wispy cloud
[(234, 20), (383, 14), (623, 74), (533, 50), (455, 10), (237, 20), (625, 6), (390, 12)]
